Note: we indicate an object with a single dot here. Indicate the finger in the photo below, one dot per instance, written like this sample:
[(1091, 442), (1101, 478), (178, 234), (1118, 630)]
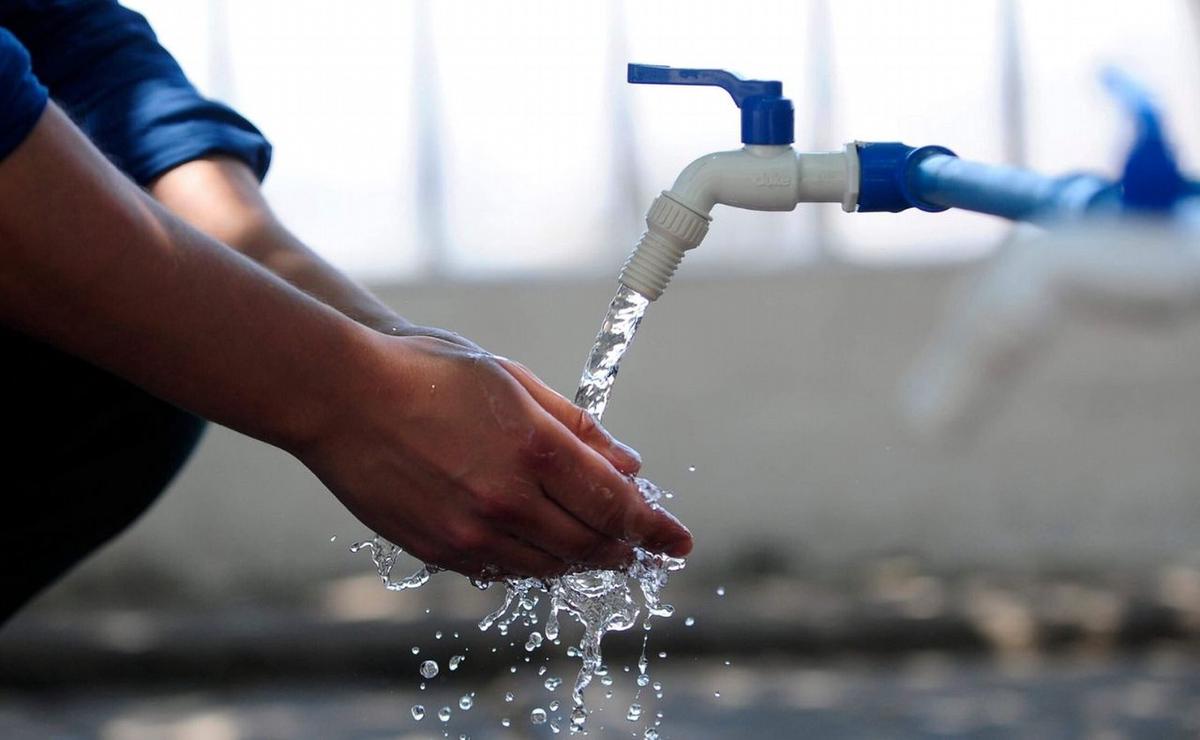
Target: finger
[(511, 557), (586, 485), (582, 424), (547, 526), (445, 335)]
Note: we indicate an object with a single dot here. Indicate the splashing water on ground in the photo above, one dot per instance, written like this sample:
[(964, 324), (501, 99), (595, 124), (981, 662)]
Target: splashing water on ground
[(600, 600)]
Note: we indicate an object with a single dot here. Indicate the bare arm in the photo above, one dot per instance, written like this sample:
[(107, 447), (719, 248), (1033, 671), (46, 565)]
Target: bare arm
[(451, 452), (220, 196), (94, 266)]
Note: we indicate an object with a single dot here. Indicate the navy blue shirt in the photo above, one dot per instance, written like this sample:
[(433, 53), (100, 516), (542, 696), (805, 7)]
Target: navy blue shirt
[(103, 65)]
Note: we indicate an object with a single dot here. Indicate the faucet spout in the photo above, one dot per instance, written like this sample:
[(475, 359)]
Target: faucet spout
[(757, 177)]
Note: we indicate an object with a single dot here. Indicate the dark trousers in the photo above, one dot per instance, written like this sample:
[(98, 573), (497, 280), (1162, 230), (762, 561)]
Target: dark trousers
[(86, 454)]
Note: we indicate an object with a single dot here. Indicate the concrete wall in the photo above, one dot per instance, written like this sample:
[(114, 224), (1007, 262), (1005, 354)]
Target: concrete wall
[(780, 390)]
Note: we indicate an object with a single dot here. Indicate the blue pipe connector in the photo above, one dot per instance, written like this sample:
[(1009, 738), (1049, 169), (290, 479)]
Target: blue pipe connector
[(885, 175), (895, 177)]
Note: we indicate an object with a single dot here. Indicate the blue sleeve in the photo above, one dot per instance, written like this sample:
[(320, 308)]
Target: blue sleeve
[(22, 97), (105, 67)]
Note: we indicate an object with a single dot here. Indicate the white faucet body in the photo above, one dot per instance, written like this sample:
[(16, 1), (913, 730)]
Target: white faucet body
[(756, 178), (769, 178)]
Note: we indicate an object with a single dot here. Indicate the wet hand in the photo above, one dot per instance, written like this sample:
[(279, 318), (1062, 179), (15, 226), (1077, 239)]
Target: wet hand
[(469, 462)]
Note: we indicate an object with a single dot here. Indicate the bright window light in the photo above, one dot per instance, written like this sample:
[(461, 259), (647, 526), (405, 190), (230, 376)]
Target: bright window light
[(471, 139)]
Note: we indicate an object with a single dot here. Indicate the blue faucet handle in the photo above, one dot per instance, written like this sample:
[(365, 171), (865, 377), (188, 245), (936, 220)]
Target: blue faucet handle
[(738, 89), (767, 116), (1151, 180)]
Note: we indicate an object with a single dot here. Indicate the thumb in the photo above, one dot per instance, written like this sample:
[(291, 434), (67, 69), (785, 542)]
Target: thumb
[(581, 423)]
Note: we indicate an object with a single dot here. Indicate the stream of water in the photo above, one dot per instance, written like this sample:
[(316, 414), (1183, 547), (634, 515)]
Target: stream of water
[(601, 601)]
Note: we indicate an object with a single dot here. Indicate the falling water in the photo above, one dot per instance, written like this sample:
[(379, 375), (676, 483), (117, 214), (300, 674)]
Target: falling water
[(616, 334), (600, 600)]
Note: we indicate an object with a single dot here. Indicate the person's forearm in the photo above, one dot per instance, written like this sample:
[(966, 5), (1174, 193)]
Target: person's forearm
[(93, 265), (220, 196)]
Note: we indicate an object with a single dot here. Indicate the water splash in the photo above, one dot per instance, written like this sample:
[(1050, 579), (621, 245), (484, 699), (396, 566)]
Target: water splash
[(601, 601)]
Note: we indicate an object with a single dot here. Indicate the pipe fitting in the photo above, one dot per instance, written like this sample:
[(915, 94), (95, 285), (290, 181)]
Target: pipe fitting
[(672, 229)]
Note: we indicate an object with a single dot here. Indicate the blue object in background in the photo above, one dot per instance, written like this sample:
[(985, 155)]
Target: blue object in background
[(1150, 180), (895, 177)]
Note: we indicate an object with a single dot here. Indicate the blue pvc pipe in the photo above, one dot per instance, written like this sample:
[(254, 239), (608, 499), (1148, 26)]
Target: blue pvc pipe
[(945, 181)]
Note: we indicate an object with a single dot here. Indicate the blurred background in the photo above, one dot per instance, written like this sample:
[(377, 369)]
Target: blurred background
[(485, 167)]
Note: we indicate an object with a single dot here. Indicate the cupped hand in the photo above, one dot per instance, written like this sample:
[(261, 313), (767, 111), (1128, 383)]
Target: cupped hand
[(469, 462)]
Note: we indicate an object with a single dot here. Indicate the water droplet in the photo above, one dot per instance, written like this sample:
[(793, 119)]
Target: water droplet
[(466, 702), (444, 714), (333, 538), (579, 715), (456, 661), (508, 696), (717, 694), (643, 680), (554, 706), (552, 683), (691, 468), (554, 727), (538, 716), (608, 694), (534, 641), (541, 670), (437, 635), (689, 622), (422, 687), (727, 662), (657, 686), (505, 722), (720, 590), (606, 680), (416, 650), (662, 653), (512, 669), (418, 712), (634, 713), (651, 734), (429, 668)]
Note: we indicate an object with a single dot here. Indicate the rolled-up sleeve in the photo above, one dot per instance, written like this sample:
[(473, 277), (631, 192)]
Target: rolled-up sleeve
[(103, 64), (22, 97)]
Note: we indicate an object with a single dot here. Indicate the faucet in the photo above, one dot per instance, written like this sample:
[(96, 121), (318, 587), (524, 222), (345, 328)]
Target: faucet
[(766, 174), (1126, 245), (1126, 252)]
